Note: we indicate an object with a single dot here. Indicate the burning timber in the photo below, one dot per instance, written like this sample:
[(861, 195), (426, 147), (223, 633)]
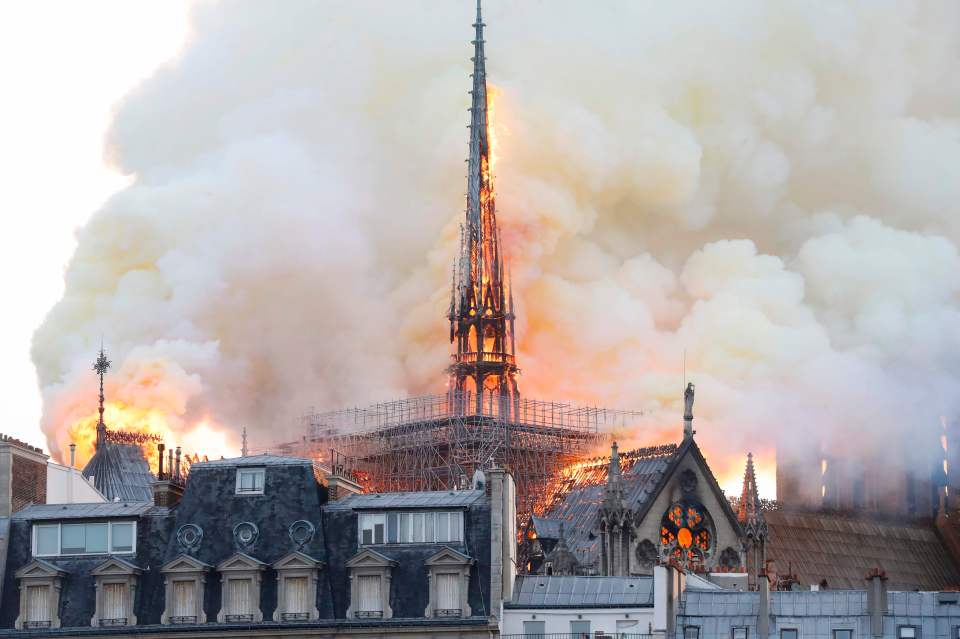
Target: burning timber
[(439, 441)]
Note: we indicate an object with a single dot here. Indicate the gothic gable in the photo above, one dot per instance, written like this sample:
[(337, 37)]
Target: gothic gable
[(688, 513)]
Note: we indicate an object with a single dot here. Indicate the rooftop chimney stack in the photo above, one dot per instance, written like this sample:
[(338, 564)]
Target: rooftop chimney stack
[(876, 600), (73, 455)]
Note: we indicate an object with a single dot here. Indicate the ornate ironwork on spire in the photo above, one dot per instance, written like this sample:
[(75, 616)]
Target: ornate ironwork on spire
[(101, 366), (481, 304)]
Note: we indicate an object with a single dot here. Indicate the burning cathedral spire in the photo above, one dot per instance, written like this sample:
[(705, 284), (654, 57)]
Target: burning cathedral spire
[(481, 301)]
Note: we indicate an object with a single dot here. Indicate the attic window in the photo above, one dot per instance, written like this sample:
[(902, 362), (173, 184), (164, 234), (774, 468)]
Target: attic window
[(250, 481), (100, 538)]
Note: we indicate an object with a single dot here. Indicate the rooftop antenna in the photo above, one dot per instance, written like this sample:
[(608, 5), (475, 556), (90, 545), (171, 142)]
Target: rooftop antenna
[(101, 366)]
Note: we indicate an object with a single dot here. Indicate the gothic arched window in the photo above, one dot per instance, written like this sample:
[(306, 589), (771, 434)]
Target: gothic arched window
[(686, 534)]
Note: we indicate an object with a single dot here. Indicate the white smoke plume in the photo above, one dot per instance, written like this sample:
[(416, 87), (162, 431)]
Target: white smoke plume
[(770, 186)]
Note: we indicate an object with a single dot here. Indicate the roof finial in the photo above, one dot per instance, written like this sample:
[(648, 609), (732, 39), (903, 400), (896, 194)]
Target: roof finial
[(688, 431), (101, 366)]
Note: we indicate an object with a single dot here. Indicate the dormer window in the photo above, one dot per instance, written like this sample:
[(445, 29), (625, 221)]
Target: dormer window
[(40, 584), (250, 481), (97, 538), (410, 528)]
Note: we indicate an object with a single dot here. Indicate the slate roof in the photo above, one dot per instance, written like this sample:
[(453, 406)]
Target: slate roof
[(579, 495), (842, 549), (437, 499), (816, 613), (540, 591), (265, 459), (39, 512), (120, 471)]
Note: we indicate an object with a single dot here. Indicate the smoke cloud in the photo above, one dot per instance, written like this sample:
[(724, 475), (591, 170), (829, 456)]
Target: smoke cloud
[(769, 187)]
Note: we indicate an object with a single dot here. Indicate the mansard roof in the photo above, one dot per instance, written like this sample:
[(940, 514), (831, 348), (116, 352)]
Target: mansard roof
[(265, 459)]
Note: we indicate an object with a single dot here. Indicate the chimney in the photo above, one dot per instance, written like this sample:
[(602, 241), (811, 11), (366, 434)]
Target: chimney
[(876, 600), (23, 475), (73, 455), (176, 467), (339, 483), (763, 614), (160, 462), (668, 588), (503, 536)]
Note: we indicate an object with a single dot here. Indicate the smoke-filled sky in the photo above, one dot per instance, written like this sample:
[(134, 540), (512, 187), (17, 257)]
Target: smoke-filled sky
[(770, 187)]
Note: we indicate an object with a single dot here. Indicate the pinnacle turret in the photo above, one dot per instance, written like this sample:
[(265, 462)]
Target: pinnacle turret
[(749, 510)]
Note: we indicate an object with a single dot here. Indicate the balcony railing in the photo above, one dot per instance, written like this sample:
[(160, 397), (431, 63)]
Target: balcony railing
[(183, 619), (295, 616), (369, 614), (36, 624), (447, 612), (236, 618), (496, 358), (120, 621)]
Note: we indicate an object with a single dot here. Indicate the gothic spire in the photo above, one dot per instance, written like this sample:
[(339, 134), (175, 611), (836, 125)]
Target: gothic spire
[(749, 510), (478, 162), (481, 311), (100, 366)]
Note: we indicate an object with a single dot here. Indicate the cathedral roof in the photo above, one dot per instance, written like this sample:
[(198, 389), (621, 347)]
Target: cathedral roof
[(579, 495), (120, 472), (841, 549)]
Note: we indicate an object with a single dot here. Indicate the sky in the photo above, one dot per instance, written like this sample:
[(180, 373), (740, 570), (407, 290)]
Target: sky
[(760, 196), (65, 65)]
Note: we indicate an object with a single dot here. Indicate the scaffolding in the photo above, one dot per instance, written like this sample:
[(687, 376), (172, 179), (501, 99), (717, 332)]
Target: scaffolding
[(438, 442)]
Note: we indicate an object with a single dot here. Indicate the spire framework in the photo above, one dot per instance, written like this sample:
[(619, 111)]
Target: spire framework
[(481, 303)]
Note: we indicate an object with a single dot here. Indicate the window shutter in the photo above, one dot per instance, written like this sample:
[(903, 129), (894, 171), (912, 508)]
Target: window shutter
[(448, 591), (183, 599), (114, 601), (38, 606), (369, 587), (296, 592), (239, 593)]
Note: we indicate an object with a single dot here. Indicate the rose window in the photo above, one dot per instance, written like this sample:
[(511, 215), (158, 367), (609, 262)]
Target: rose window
[(685, 534)]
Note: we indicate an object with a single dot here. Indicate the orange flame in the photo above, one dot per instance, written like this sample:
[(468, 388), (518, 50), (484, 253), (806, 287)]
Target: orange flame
[(119, 416)]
